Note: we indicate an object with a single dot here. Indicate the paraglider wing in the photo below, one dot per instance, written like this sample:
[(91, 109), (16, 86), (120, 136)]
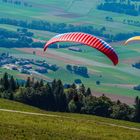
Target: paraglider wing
[(88, 40), (135, 38)]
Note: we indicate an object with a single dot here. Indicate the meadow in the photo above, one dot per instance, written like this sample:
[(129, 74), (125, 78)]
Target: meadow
[(63, 126)]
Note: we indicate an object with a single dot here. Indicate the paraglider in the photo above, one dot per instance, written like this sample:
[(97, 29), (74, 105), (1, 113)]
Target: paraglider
[(135, 38), (88, 40)]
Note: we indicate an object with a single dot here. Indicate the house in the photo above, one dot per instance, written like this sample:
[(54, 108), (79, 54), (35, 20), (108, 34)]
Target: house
[(27, 67), (75, 49), (25, 71), (41, 70)]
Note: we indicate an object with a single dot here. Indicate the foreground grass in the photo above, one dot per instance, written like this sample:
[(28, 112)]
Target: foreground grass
[(61, 126), (19, 126)]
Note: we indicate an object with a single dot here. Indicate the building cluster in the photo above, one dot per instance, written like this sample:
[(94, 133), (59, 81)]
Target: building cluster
[(26, 66), (76, 49)]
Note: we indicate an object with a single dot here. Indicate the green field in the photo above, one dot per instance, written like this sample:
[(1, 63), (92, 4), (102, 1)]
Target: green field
[(96, 62), (113, 79), (69, 11), (60, 126), (118, 80)]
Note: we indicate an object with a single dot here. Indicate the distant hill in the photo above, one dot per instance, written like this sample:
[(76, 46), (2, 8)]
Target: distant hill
[(77, 12), (15, 125)]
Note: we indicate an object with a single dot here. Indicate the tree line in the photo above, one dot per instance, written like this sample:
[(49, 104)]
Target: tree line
[(131, 22), (83, 71), (23, 38), (63, 27), (20, 38), (124, 7), (55, 96), (17, 2)]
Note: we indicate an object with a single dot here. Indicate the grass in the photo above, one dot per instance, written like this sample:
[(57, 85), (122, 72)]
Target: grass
[(12, 105), (66, 126)]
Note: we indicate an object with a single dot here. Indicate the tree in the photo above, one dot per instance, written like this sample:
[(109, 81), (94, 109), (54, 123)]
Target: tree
[(121, 111), (70, 93), (72, 106), (60, 97), (41, 84), (5, 81), (28, 82), (88, 92), (82, 89), (137, 109), (51, 99), (13, 85), (98, 82), (53, 84), (36, 85)]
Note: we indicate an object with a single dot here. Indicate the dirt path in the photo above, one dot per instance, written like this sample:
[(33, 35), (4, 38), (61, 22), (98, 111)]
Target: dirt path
[(58, 116)]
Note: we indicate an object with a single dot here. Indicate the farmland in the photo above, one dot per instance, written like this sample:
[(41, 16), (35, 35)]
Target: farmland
[(71, 12), (60, 125), (118, 80)]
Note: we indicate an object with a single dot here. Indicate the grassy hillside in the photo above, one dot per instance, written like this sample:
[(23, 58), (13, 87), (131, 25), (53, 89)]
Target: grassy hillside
[(60, 125)]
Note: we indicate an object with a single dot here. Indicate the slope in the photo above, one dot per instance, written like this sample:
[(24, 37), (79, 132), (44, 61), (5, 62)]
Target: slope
[(21, 125)]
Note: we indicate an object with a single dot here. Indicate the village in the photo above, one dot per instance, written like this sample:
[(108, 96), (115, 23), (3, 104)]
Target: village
[(25, 66)]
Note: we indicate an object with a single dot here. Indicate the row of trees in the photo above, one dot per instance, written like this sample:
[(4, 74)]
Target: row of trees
[(20, 38), (21, 32), (131, 22), (54, 97), (126, 8), (83, 71), (17, 2), (62, 28)]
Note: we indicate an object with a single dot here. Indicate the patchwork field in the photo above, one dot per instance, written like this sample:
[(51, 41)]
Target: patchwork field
[(118, 80), (115, 80), (69, 11), (19, 121)]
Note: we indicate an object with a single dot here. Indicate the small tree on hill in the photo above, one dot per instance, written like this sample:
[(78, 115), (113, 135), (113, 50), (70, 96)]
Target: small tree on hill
[(137, 109)]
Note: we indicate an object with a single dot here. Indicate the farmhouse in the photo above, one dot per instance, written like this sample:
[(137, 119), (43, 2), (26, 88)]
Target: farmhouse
[(27, 67), (41, 70), (25, 71), (10, 67), (75, 49)]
